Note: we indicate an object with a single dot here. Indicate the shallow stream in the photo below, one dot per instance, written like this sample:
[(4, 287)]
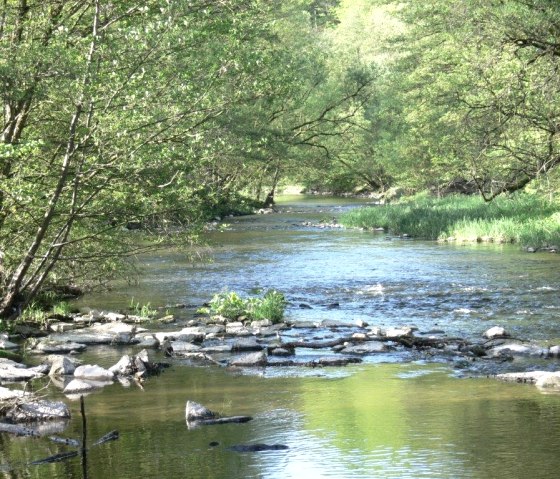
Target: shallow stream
[(379, 419)]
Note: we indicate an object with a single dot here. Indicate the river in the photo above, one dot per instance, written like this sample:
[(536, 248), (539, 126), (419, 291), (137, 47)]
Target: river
[(384, 418)]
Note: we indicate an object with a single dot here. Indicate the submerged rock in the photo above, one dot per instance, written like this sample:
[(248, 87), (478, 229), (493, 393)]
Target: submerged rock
[(198, 415), (38, 410), (257, 447)]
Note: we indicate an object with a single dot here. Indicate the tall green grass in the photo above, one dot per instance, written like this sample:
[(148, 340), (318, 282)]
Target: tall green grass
[(527, 219)]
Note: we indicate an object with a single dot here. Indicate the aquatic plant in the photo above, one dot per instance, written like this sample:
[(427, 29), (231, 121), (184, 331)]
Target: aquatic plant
[(231, 305), (527, 219)]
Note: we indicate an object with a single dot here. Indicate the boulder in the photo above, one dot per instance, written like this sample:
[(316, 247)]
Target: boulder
[(88, 371), (251, 360), (395, 333), (62, 366), (554, 351), (495, 332)]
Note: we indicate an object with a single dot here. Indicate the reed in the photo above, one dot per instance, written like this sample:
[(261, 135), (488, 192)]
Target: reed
[(527, 219)]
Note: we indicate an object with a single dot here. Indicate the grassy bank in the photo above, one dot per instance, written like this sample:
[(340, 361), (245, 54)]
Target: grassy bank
[(529, 220)]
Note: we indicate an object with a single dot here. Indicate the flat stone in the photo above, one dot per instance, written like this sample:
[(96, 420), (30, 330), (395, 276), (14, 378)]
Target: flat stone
[(39, 410), (83, 336), (77, 386), (54, 346), (18, 374), (7, 394), (522, 377), (88, 371), (148, 341), (368, 347), (63, 327), (184, 347), (5, 344), (515, 349), (217, 348), (237, 329), (246, 344), (251, 360)]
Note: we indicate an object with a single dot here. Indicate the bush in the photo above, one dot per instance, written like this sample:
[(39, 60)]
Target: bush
[(232, 306)]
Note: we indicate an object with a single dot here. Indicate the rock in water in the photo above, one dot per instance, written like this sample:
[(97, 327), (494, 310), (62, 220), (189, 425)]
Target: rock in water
[(197, 412)]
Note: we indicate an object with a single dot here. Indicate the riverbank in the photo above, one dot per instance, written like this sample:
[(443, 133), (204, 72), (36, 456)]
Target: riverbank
[(525, 219)]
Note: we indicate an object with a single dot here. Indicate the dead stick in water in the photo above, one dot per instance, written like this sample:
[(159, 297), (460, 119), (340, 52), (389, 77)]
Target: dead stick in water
[(84, 436)]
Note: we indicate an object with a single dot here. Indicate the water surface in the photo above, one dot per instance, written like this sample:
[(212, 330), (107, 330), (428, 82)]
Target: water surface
[(376, 420)]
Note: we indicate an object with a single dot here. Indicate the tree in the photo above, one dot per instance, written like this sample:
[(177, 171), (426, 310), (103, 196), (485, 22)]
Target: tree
[(109, 112)]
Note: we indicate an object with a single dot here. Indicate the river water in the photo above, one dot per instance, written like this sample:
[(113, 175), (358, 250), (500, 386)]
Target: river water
[(380, 419)]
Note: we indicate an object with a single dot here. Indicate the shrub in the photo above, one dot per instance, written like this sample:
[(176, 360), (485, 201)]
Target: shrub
[(232, 306)]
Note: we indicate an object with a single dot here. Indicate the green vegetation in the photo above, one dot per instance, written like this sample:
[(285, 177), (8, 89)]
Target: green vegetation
[(230, 305), (142, 310), (527, 219), (128, 125)]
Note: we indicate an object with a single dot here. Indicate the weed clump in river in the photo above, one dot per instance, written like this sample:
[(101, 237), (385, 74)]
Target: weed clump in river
[(230, 305)]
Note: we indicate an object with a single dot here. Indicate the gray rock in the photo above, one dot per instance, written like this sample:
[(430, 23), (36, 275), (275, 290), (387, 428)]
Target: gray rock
[(542, 379), (368, 347), (281, 352), (237, 329), (195, 412), (54, 346), (180, 347), (39, 410), (88, 371), (62, 366), (148, 341), (217, 348), (125, 366), (5, 344), (17, 373), (515, 349), (246, 344), (554, 351), (495, 332), (79, 386), (251, 360), (9, 394), (395, 333)]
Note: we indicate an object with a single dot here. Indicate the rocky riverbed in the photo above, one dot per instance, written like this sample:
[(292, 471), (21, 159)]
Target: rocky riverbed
[(245, 346)]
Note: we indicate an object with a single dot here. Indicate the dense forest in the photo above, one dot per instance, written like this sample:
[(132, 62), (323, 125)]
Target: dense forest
[(160, 114)]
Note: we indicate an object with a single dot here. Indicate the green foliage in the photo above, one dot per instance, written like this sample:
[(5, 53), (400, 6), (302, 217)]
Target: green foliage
[(142, 310), (527, 219), (232, 306)]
